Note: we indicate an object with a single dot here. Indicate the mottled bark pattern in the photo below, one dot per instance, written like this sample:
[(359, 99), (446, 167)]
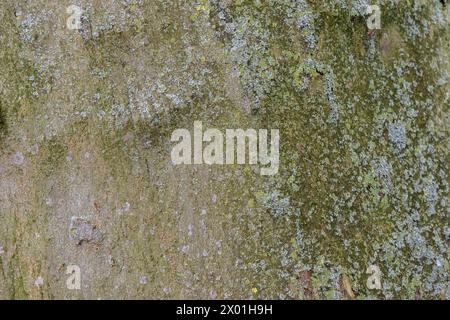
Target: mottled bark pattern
[(86, 177)]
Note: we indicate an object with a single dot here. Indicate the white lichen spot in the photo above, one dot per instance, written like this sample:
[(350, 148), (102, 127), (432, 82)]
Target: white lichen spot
[(48, 201), (143, 280), (185, 248), (39, 281), (18, 158), (125, 208), (397, 136), (374, 281), (212, 294)]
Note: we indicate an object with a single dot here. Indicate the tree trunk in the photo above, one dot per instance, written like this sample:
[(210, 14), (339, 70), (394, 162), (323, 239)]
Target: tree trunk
[(90, 96)]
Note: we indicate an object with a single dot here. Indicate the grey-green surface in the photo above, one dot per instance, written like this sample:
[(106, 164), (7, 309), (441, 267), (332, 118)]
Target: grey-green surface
[(86, 176)]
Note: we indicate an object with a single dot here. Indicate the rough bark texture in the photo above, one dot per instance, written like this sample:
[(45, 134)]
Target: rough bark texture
[(86, 176)]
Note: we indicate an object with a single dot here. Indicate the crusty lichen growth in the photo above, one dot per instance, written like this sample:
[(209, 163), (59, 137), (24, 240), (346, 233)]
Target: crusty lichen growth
[(85, 172)]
